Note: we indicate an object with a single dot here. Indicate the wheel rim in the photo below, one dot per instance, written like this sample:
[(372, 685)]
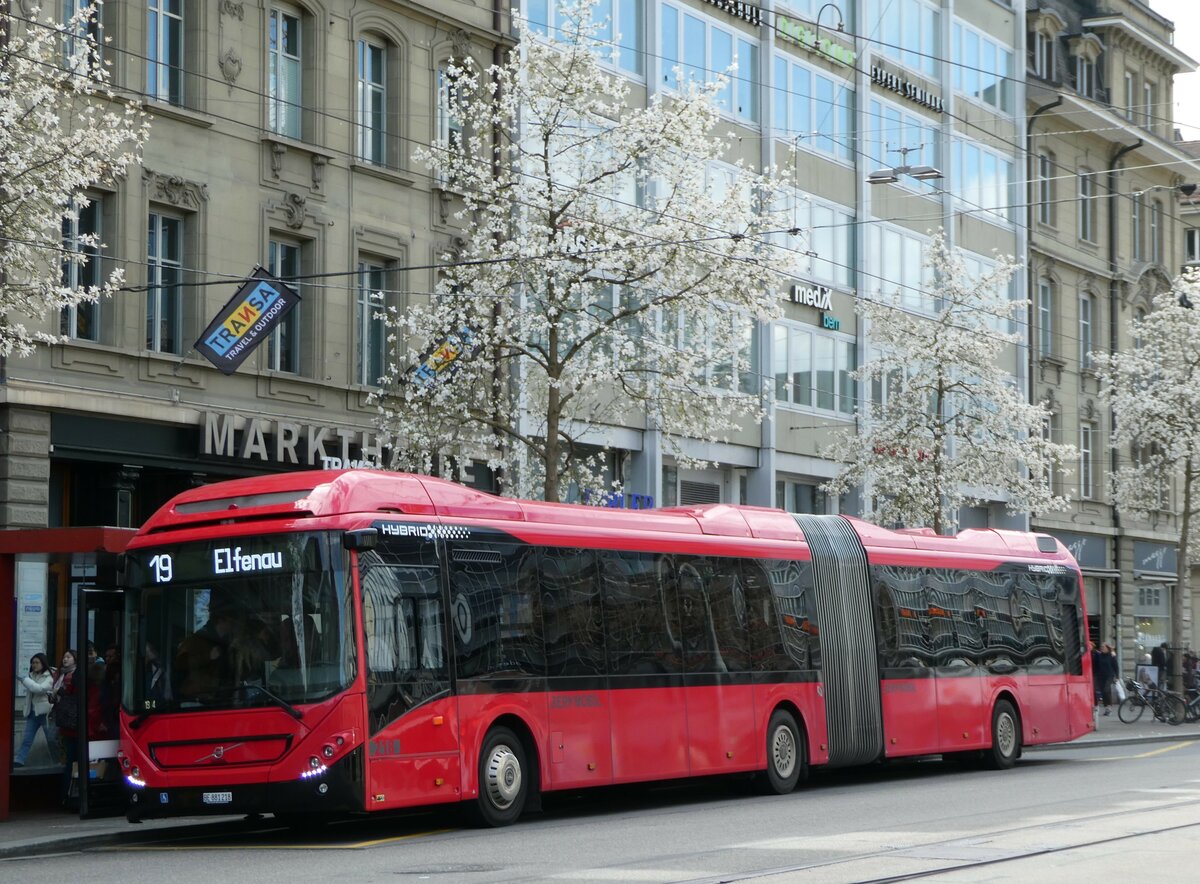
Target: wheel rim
[(783, 751), (502, 776), (1006, 734)]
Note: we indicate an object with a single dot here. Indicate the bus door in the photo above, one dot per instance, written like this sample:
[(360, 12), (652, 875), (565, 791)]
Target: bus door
[(1038, 614), (956, 649), (95, 772), (412, 728), (580, 713), (849, 652), (720, 695)]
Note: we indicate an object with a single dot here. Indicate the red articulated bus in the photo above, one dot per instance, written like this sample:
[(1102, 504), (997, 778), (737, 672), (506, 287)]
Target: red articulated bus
[(333, 642)]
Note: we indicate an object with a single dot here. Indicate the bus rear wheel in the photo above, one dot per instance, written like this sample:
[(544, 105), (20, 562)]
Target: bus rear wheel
[(1006, 737), (787, 757), (503, 779)]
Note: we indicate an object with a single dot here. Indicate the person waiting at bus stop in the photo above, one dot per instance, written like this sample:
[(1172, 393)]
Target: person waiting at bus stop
[(202, 661)]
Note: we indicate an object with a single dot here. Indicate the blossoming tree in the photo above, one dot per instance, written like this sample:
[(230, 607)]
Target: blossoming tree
[(62, 130), (1154, 391), (607, 276), (942, 424)]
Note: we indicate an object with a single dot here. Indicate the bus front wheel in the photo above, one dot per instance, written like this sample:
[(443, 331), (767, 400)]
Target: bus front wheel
[(787, 760), (503, 779), (1006, 737)]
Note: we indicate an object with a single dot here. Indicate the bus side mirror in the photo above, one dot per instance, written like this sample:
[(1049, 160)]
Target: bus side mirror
[(362, 539)]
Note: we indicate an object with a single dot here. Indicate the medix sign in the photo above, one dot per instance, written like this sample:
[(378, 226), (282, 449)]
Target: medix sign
[(289, 442), (819, 296)]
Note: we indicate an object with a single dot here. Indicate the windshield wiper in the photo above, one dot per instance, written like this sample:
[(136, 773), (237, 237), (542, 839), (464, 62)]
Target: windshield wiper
[(275, 698)]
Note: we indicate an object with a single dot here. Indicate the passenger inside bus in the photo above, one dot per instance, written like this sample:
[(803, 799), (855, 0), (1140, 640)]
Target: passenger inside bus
[(202, 661)]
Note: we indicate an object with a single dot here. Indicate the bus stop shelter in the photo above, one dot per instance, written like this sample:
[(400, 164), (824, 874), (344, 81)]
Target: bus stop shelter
[(55, 592)]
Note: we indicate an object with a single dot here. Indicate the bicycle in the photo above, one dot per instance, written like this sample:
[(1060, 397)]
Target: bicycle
[(1191, 708), (1167, 707)]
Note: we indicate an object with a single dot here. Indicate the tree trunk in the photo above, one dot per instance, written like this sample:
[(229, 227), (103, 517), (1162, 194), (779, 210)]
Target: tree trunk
[(1182, 581), (553, 418)]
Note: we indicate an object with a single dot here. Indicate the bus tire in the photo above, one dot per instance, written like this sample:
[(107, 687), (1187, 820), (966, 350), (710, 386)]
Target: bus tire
[(787, 756), (503, 779), (1006, 737)]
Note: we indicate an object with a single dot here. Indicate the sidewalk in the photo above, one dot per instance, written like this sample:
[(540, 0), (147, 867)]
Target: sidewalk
[(39, 834)]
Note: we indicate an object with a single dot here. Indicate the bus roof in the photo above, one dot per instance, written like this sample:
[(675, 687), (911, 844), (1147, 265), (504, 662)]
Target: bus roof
[(317, 493)]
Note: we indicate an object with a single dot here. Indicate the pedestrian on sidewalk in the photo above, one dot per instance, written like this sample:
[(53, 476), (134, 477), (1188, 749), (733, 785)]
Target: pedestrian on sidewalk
[(64, 697), (37, 684), (1099, 668), (1111, 672)]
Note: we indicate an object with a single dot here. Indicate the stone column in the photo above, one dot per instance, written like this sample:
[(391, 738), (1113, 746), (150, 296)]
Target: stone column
[(24, 468)]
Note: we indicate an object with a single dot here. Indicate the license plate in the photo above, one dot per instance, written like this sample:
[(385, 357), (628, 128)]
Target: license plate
[(217, 797)]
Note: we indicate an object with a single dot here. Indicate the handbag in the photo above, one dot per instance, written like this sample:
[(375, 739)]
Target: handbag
[(66, 712), (1118, 691)]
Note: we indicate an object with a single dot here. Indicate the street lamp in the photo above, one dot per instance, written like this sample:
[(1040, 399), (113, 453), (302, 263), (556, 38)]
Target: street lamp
[(892, 175)]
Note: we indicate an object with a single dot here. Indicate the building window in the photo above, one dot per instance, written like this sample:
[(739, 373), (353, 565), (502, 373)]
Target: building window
[(1044, 50), (283, 345), (283, 73), (1148, 101), (1085, 76), (1136, 211), (814, 369), (1139, 316), (372, 102), (983, 68), (1087, 478), (164, 296), (908, 32), (1045, 188), (812, 110), (81, 236), (801, 497), (1191, 242), (1086, 344), (1130, 95), (984, 180), (823, 243), (370, 326), (1087, 206), (621, 35), (164, 50), (1156, 225), (1052, 432), (1045, 306), (899, 261), (701, 50), (449, 135)]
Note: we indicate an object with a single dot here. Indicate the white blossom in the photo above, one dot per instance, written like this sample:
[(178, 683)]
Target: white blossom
[(943, 425), (62, 130), (604, 279), (1153, 389)]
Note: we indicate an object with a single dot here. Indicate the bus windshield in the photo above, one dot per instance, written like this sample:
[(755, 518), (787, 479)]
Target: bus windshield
[(262, 620)]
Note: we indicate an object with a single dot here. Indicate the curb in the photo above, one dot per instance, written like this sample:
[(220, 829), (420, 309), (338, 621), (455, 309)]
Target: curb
[(1083, 743), (81, 842)]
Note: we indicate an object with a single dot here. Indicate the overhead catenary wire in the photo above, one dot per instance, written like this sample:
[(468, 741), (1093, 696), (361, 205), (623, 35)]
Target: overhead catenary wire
[(445, 265)]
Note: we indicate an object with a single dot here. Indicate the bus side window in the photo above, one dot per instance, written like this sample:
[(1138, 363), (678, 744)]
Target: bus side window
[(571, 612), (639, 641), (727, 603), (902, 594), (496, 610), (791, 596)]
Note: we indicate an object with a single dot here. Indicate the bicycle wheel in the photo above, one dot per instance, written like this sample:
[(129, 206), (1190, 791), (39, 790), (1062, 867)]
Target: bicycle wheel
[(1174, 709), (1192, 711), (1131, 709)]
